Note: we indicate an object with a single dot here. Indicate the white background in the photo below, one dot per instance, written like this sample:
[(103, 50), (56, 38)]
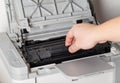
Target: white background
[(3, 17)]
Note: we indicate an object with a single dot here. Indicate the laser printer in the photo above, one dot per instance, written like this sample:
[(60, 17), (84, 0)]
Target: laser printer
[(33, 50)]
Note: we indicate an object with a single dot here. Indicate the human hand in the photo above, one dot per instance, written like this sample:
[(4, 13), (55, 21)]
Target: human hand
[(82, 36)]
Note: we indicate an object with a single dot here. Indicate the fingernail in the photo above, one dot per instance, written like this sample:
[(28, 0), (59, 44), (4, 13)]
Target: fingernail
[(66, 44)]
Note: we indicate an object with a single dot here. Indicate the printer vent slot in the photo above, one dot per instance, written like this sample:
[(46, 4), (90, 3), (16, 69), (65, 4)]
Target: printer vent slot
[(79, 21)]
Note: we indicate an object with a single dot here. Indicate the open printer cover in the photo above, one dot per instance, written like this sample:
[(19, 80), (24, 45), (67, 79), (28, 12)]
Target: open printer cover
[(37, 30)]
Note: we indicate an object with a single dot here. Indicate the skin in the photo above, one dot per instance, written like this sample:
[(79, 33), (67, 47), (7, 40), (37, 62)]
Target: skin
[(86, 36)]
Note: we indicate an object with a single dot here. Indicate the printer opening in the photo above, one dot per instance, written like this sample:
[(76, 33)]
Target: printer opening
[(38, 53)]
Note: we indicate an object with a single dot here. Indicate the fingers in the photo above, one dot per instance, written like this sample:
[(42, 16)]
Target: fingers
[(69, 38), (71, 41), (73, 48)]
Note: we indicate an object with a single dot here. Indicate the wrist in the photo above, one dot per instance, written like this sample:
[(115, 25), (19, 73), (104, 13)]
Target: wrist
[(99, 35)]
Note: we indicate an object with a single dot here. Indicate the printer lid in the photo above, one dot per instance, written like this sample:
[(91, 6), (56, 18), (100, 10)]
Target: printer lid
[(45, 19)]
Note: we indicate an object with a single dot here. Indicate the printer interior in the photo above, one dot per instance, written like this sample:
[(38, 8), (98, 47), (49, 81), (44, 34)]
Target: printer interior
[(38, 53)]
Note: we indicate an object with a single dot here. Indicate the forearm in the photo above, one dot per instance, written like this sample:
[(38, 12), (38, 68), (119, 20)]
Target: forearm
[(109, 31), (86, 36)]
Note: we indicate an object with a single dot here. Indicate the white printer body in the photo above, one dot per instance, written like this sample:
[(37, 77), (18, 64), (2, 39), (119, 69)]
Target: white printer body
[(33, 50)]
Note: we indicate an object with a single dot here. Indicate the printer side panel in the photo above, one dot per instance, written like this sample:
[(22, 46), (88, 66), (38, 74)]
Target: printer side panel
[(12, 59)]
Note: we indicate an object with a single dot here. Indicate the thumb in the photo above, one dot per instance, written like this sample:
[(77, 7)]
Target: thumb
[(74, 48)]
